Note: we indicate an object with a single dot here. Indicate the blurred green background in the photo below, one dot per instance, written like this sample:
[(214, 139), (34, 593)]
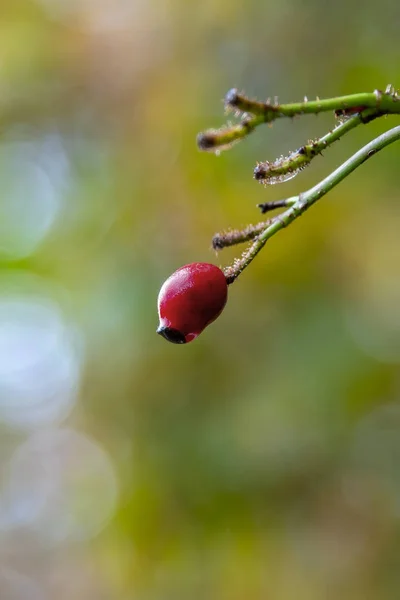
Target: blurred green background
[(261, 461)]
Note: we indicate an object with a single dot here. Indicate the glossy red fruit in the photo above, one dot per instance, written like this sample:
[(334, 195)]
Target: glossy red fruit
[(190, 299)]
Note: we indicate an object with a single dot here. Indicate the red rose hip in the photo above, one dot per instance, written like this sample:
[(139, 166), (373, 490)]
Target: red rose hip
[(190, 299)]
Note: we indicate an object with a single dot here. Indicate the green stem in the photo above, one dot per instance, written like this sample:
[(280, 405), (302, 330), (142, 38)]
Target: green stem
[(308, 198), (274, 172), (387, 102), (239, 236), (215, 140)]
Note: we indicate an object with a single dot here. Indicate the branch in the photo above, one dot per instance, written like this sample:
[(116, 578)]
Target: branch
[(303, 201), (233, 237), (270, 112), (215, 140), (285, 168)]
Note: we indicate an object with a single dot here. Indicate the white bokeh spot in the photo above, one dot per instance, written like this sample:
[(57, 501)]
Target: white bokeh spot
[(33, 181), (40, 362), (61, 486)]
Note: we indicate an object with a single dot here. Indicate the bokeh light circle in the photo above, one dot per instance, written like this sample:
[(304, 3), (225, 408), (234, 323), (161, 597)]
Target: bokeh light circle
[(34, 174), (61, 486), (40, 359), (16, 586)]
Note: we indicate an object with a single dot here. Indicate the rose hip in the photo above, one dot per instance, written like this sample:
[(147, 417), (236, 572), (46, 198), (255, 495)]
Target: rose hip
[(189, 300)]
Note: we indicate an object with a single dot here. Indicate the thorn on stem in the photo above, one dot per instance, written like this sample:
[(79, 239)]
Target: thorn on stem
[(268, 206)]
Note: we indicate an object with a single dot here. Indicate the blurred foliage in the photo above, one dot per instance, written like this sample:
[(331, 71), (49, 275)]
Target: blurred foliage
[(261, 460)]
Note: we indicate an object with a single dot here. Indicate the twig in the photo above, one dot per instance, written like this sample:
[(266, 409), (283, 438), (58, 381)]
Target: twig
[(233, 237), (306, 199), (215, 140), (268, 206), (287, 167)]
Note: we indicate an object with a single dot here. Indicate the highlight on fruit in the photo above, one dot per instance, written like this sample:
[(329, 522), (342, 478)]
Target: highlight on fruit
[(189, 300)]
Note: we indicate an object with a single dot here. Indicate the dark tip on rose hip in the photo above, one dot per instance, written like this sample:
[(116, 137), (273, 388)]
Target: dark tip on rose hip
[(171, 335)]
